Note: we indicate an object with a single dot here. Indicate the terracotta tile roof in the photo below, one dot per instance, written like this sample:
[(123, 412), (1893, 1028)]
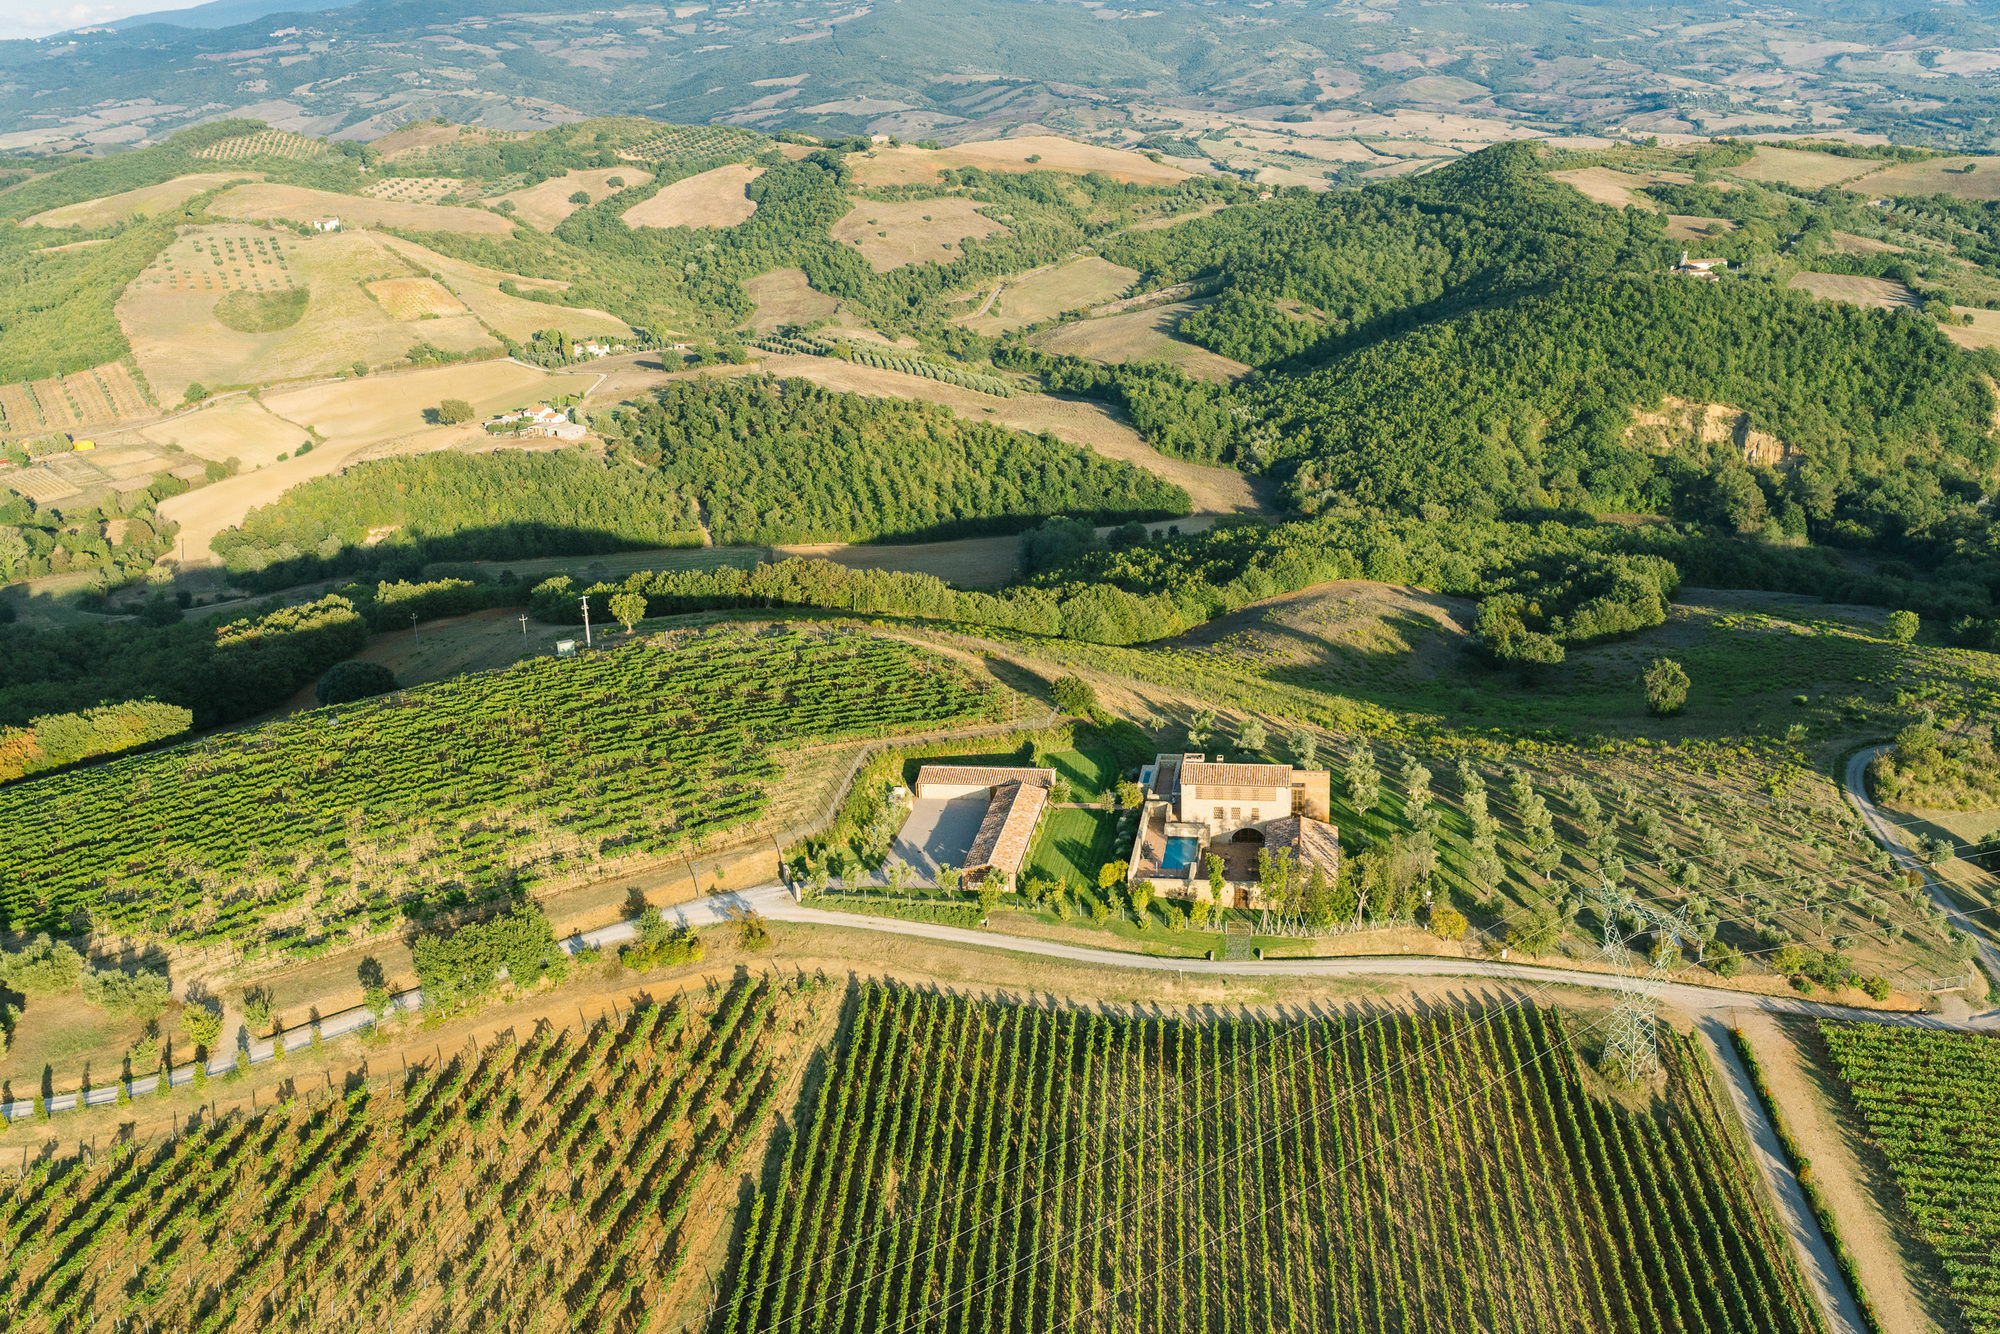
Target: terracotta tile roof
[(976, 775), (1008, 829), (1313, 842), (1201, 773)]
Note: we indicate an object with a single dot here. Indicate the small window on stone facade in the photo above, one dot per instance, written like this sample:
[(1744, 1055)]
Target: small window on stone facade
[(1218, 812), (1236, 812), (1256, 816)]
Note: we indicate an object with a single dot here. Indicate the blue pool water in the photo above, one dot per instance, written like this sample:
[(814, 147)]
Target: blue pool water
[(1180, 854)]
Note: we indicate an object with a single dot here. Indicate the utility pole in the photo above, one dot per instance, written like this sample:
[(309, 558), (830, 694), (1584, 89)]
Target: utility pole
[(586, 620), (524, 625), (414, 636)]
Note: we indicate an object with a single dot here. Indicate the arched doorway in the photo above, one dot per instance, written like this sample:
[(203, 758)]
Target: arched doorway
[(1247, 835)]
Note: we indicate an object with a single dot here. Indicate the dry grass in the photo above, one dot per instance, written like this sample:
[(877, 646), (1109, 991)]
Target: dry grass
[(235, 428), (904, 164), (1983, 331), (890, 235), (146, 201), (177, 340), (517, 317), (546, 204), (717, 198), (1938, 176), (414, 189), (1808, 171), (1141, 335), (416, 138), (379, 415), (1048, 293), (415, 298), (1849, 244), (1686, 227), (1882, 293), (784, 296), (973, 562), (292, 203)]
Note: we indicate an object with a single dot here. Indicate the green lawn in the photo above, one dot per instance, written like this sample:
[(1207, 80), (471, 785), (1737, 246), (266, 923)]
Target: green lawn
[(1073, 845)]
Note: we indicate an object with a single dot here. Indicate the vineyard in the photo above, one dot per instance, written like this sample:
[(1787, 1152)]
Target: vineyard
[(264, 143), (888, 359), (560, 1184), (104, 393), (971, 1166), (1928, 1100), (304, 832)]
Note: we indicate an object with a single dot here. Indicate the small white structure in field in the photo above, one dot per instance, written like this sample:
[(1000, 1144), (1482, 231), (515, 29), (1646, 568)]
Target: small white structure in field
[(326, 224)]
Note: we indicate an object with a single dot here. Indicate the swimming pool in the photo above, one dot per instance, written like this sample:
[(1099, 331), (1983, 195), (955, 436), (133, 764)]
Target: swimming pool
[(1180, 854)]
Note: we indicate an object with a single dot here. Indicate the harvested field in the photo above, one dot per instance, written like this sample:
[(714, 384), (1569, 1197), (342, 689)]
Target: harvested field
[(973, 562), (377, 416), (40, 485), (1808, 171), (1883, 293), (415, 138), (905, 164), (99, 396), (1849, 244), (1141, 335), (1975, 178), (1983, 331), (414, 189), (1606, 186), (1048, 293), (890, 235), (517, 317), (235, 428), (546, 205), (146, 201), (264, 143), (784, 296), (292, 203), (168, 314), (1686, 227), (714, 198), (415, 298)]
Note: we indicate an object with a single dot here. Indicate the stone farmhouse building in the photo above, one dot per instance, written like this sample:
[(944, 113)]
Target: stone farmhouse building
[(1015, 801), (1196, 808)]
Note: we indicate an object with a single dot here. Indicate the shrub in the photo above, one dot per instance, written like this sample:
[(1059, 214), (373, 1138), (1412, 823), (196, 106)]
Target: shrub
[(1447, 922), (579, 198), (660, 944), (1902, 626), (141, 995), (41, 968), (203, 1024), (458, 967), (453, 411), (1074, 696), (1876, 987), (1666, 685)]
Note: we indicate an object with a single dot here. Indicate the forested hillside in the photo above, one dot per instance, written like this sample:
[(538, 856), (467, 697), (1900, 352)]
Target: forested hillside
[(753, 461)]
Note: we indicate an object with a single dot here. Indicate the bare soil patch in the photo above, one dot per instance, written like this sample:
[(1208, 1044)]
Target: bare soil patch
[(715, 198), (146, 201), (1882, 293), (890, 235), (1141, 335), (784, 296), (547, 204), (292, 203), (1983, 331), (1688, 227), (235, 428), (905, 164)]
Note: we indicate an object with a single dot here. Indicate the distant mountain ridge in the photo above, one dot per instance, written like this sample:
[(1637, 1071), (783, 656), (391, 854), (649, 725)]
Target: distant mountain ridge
[(225, 13)]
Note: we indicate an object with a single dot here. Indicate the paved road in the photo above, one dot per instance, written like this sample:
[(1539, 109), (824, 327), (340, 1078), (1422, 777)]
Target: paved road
[(1890, 837)]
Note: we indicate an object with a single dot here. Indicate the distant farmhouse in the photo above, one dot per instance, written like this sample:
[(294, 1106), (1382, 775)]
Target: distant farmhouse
[(1015, 800), (1196, 808), (540, 421), (1701, 268), (326, 224)]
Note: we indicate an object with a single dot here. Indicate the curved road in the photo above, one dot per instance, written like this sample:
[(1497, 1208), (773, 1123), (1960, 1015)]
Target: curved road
[(1710, 1006)]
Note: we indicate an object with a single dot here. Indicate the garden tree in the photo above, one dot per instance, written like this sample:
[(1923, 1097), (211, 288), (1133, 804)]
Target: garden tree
[(1446, 922), (948, 877), (1142, 901), (1131, 796), (1902, 626), (1197, 912), (1251, 736), (1537, 932), (257, 1006), (374, 986), (1484, 871), (898, 876), (348, 681), (202, 1022), (1547, 857), (458, 967), (1217, 880), (1074, 696), (1416, 781), (1109, 874), (989, 895), (453, 411), (1305, 748), (1666, 685), (660, 943), (1363, 781), (628, 609)]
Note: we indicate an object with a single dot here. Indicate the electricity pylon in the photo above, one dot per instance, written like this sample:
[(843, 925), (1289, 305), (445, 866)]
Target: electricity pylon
[(1631, 1049)]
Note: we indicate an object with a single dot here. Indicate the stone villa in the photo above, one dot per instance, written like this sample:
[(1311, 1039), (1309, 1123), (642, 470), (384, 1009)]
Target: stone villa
[(1015, 800), (1196, 808)]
